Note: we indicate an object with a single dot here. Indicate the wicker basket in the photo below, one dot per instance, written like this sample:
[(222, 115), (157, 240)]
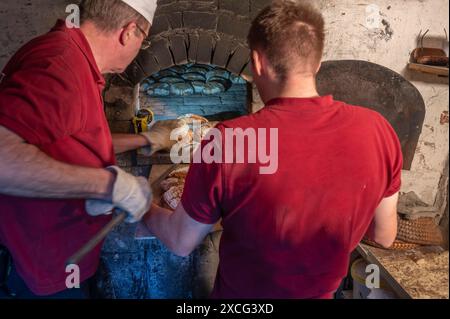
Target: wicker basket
[(423, 231), (414, 233), (397, 245)]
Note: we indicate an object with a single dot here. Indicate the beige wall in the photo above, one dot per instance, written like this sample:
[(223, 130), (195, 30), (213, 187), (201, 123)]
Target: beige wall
[(348, 38)]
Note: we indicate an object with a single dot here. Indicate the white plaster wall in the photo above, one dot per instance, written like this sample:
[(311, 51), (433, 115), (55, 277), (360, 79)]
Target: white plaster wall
[(348, 37)]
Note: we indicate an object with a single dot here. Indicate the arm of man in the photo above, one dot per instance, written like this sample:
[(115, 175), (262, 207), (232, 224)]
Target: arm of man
[(156, 139), (25, 171), (177, 230), (383, 229), (31, 115), (128, 142)]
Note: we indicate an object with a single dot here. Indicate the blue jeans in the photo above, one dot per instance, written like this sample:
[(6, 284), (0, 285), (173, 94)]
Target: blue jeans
[(17, 289)]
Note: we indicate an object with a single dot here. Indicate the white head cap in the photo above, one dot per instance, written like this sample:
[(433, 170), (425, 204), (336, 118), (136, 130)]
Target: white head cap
[(146, 8)]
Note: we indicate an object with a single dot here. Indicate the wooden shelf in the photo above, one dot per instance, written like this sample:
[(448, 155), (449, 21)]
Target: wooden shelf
[(437, 70)]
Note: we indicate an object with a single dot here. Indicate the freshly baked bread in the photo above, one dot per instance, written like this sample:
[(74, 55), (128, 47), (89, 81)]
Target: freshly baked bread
[(195, 135), (180, 173), (190, 118), (173, 187), (173, 196), (170, 182)]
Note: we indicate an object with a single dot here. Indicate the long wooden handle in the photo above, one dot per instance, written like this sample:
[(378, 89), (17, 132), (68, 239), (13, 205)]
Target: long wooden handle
[(86, 249)]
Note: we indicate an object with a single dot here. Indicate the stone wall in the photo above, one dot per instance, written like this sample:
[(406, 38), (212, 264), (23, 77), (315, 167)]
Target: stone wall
[(22, 20)]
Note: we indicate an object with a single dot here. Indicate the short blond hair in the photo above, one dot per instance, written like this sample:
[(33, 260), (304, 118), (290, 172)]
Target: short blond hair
[(109, 15)]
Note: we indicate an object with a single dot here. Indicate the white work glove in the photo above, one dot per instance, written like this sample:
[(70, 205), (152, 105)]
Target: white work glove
[(158, 136), (130, 194)]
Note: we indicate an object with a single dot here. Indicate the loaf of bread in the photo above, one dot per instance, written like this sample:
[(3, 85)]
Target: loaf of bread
[(180, 173), (173, 187), (169, 183), (189, 119), (195, 134), (173, 196)]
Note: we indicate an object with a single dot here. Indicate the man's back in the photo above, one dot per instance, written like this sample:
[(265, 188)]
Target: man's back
[(289, 234)]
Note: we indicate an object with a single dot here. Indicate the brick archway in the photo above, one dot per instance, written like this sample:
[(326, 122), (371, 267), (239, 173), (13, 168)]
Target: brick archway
[(205, 32)]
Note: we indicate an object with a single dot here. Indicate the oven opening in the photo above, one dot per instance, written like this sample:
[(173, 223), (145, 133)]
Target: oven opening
[(204, 90)]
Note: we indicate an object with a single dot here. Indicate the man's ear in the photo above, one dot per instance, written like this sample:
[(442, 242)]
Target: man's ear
[(261, 65), (257, 62), (127, 31)]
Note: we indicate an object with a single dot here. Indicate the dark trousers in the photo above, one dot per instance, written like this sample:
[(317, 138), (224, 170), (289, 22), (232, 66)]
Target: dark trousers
[(17, 289)]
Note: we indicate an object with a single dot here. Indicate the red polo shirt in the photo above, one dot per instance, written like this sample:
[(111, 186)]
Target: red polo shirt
[(51, 96), (290, 234)]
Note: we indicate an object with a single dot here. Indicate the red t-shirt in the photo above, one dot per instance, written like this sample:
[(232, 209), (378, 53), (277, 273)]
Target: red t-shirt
[(51, 96), (290, 234)]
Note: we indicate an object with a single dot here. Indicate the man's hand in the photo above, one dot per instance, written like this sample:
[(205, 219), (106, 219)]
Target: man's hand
[(159, 136), (130, 194)]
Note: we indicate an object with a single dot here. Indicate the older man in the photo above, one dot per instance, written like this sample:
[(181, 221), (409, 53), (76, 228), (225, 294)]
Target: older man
[(55, 144), (290, 234)]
